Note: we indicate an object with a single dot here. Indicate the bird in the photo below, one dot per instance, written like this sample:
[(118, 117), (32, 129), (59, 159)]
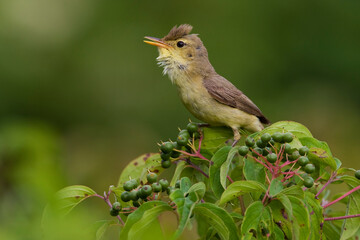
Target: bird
[(208, 96)]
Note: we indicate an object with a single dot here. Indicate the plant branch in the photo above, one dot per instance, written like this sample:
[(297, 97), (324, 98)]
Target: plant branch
[(343, 196), (342, 217), (333, 175), (106, 199), (195, 167)]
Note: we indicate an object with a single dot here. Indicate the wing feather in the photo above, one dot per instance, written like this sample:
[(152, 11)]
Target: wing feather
[(226, 93)]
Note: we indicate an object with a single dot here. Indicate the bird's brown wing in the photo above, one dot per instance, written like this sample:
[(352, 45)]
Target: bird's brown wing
[(226, 93)]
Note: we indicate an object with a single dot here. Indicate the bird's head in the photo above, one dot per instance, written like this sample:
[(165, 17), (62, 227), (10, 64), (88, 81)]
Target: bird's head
[(181, 52)]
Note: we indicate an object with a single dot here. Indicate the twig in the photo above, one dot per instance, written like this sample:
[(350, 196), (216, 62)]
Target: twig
[(343, 196), (106, 199), (196, 167), (333, 175), (342, 217)]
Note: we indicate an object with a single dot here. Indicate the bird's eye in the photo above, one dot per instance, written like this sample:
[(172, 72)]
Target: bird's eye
[(180, 44)]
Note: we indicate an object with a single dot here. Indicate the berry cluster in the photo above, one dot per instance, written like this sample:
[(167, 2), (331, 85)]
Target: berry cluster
[(172, 149), (138, 193), (275, 152)]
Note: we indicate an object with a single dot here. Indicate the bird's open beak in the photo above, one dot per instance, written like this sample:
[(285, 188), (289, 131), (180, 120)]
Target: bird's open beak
[(157, 42)]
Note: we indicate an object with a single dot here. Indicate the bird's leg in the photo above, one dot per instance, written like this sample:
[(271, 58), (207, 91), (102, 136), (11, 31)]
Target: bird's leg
[(236, 136)]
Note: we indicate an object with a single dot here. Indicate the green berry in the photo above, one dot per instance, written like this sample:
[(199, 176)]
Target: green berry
[(271, 143), (357, 174), (182, 140), (260, 143), (164, 184), (165, 156), (166, 164), (177, 184), (147, 190), (169, 190), (175, 154), (116, 206), (114, 212), (156, 187), (288, 137), (308, 182), (136, 204), (125, 196), (167, 147), (185, 133), (192, 128), (129, 185), (258, 150), (272, 157), (249, 141), (303, 150), (266, 137), (295, 155), (266, 151), (278, 137), (303, 161), (141, 194), (133, 195), (135, 183), (196, 135), (243, 150), (151, 177), (309, 168), (287, 148)]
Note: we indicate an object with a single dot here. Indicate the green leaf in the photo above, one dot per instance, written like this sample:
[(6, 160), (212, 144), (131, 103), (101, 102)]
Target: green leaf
[(330, 230), (104, 225), (351, 225), (216, 137), (297, 129), (138, 168), (301, 224), (278, 233), (276, 186), (198, 188), (184, 205), (67, 198), (185, 184), (218, 159), (254, 171), (239, 188), (138, 214), (344, 170), (294, 191), (253, 215), (219, 219), (224, 169), (338, 163), (287, 204), (320, 156), (143, 225), (281, 219), (316, 218), (179, 168), (319, 152)]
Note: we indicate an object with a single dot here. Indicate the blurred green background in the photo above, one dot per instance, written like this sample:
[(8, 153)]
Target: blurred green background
[(81, 94)]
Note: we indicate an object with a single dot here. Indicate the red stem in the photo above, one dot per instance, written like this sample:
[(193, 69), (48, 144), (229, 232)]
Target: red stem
[(197, 168), (229, 178), (106, 199), (343, 196), (333, 175), (261, 163), (342, 217)]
